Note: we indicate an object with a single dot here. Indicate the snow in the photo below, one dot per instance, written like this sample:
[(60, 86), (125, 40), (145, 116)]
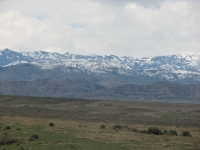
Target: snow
[(16, 63), (181, 65)]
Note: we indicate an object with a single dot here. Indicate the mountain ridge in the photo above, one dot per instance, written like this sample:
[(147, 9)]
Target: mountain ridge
[(182, 68), (159, 91), (173, 78)]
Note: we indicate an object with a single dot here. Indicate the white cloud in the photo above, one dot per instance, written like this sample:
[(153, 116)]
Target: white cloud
[(135, 28)]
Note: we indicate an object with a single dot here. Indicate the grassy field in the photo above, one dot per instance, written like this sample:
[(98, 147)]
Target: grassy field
[(96, 125)]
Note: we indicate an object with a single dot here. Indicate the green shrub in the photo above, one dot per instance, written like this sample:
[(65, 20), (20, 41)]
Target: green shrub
[(172, 132), (165, 132), (154, 130), (186, 133), (102, 126), (143, 131), (33, 137), (117, 127), (7, 140), (8, 127), (51, 124)]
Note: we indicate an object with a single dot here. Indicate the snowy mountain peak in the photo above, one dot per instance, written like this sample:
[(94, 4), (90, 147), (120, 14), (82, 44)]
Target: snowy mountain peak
[(171, 67)]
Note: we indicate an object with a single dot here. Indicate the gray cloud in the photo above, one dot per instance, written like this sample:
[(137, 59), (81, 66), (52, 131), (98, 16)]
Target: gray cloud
[(143, 3), (128, 27)]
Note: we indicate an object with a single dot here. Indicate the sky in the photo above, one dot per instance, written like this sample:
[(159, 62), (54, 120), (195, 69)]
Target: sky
[(136, 28)]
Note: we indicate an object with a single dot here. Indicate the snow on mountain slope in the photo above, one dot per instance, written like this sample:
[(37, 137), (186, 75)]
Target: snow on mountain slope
[(87, 66), (41, 55), (170, 68)]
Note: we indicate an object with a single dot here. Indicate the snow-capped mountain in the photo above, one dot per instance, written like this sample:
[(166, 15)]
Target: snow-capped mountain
[(181, 67)]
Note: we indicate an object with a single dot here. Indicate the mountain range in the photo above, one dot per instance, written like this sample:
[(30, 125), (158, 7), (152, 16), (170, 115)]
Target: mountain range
[(93, 76), (159, 91), (180, 68)]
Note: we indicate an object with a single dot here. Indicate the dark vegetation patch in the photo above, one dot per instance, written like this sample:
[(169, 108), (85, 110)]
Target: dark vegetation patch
[(117, 127), (154, 130), (5, 139), (51, 124), (102, 126), (186, 133), (33, 137), (8, 127), (150, 130), (172, 132)]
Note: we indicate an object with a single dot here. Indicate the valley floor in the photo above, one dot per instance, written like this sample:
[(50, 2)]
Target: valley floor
[(92, 124)]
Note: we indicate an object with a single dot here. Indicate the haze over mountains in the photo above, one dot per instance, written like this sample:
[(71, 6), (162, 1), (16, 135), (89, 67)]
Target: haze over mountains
[(99, 77)]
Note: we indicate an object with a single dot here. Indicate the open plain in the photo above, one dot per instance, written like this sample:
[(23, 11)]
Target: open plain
[(34, 123)]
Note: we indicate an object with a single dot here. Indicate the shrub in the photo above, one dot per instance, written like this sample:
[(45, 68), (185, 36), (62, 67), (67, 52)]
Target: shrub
[(117, 127), (172, 132), (165, 132), (143, 131), (51, 124), (154, 130), (8, 127), (102, 126), (33, 137), (186, 133), (7, 140), (134, 130)]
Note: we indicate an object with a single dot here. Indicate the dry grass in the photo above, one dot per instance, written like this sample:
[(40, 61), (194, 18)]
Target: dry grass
[(82, 119), (90, 130)]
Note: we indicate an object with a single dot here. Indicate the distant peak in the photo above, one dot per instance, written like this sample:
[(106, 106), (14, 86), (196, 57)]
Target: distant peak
[(6, 49)]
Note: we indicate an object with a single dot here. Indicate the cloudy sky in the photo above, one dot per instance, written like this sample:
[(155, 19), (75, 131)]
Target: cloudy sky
[(135, 28)]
